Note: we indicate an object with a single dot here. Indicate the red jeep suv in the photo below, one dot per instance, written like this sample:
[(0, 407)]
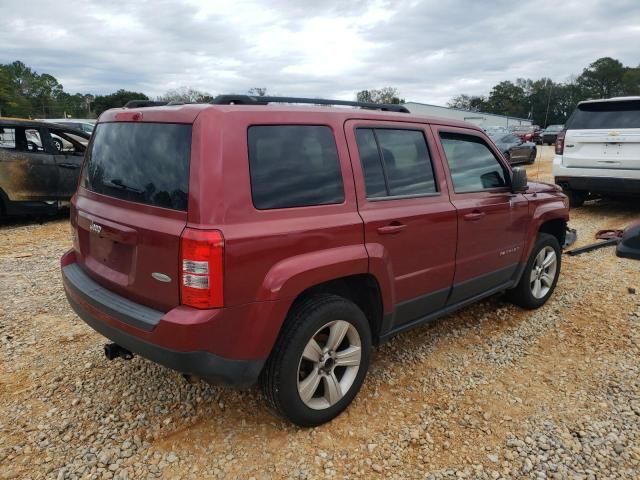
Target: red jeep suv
[(250, 240)]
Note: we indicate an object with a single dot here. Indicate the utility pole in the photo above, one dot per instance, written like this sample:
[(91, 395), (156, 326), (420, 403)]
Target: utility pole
[(546, 115)]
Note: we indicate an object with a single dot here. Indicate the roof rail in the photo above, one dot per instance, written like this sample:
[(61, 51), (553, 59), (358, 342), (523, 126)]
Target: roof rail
[(143, 103), (252, 100)]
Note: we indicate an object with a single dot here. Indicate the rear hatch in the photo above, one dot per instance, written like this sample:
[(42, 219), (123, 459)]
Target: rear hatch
[(604, 134), (131, 209)]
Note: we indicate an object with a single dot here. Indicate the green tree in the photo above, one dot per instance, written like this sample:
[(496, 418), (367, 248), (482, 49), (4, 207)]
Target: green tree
[(603, 78), (186, 95), (384, 95), (471, 103), (258, 91), (507, 98), (631, 81), (116, 99)]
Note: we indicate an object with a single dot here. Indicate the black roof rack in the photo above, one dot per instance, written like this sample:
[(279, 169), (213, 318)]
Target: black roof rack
[(253, 100), (143, 103)]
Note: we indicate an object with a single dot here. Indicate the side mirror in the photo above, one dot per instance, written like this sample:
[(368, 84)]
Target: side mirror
[(518, 180)]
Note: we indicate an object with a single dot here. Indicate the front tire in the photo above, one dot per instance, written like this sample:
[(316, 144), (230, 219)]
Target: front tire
[(540, 275), (319, 361)]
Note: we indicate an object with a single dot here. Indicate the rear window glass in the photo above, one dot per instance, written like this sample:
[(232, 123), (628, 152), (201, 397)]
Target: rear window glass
[(294, 166), (605, 115), (140, 162)]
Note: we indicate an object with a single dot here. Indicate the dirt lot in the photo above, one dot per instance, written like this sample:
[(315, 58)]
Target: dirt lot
[(491, 392)]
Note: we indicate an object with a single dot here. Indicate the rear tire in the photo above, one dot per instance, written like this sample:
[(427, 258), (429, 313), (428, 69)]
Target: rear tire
[(540, 275), (319, 361)]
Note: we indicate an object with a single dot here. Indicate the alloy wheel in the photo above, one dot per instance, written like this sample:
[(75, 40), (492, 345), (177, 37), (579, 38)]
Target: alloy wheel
[(543, 272), (329, 364)]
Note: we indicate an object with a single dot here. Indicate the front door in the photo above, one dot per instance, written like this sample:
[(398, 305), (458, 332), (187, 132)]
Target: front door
[(409, 222), (491, 220), (69, 149)]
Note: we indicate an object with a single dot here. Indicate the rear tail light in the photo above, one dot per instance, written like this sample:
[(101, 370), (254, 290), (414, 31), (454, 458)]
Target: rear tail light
[(201, 268), (560, 142)]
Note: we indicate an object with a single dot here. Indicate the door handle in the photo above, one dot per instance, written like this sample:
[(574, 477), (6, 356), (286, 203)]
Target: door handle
[(68, 165), (474, 216), (392, 228)]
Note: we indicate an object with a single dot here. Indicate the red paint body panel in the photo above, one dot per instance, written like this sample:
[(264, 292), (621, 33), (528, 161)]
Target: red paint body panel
[(420, 259), (491, 224), (271, 256)]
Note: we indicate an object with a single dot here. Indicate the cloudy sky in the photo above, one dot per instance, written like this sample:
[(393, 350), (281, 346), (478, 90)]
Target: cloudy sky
[(430, 50)]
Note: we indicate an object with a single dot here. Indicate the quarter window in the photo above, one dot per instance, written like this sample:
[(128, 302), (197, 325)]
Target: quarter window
[(472, 164), (395, 162), (294, 166)]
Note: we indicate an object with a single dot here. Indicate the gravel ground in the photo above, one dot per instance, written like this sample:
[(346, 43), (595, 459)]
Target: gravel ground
[(491, 392)]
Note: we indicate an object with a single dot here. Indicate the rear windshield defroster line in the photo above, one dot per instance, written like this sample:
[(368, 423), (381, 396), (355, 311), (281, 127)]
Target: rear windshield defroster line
[(140, 162)]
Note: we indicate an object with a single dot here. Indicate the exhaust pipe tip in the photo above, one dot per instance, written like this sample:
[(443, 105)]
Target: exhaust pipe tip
[(113, 351)]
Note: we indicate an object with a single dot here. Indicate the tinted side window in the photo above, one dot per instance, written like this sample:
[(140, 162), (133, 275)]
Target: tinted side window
[(406, 165), (406, 161), (472, 164), (294, 166), (371, 165)]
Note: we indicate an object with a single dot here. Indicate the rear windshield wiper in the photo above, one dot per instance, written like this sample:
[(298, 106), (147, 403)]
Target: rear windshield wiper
[(117, 183)]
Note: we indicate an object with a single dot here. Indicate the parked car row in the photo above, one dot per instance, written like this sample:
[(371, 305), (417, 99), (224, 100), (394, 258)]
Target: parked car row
[(549, 135), (530, 133), (527, 133)]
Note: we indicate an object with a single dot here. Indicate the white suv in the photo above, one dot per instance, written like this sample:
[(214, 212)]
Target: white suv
[(599, 151)]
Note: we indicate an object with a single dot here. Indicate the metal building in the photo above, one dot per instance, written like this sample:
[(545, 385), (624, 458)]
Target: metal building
[(479, 118)]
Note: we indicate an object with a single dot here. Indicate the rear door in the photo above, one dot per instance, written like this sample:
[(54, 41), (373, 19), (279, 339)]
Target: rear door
[(408, 218), (27, 167), (604, 135), (132, 208), (492, 222)]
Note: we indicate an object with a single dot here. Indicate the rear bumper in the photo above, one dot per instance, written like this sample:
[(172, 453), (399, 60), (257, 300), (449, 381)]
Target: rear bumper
[(601, 185), (196, 342), (605, 181), (207, 365)]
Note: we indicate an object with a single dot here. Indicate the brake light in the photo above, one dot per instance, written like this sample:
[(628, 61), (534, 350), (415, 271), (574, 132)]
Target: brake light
[(560, 142), (201, 268)]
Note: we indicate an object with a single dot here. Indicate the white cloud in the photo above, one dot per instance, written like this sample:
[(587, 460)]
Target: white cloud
[(430, 50)]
